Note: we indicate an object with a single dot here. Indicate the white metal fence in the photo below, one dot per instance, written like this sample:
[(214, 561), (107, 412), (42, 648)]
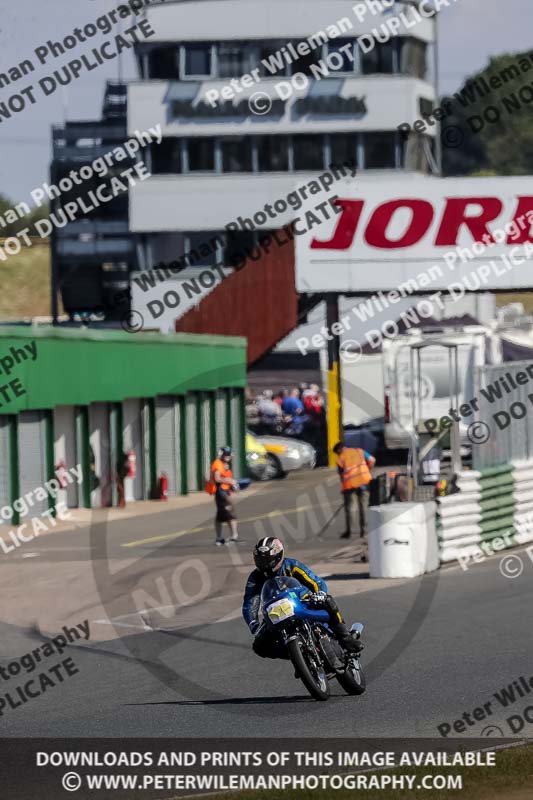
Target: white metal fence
[(504, 395)]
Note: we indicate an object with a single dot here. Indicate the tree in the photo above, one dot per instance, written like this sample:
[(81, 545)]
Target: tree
[(7, 228), (19, 224), (41, 212), (494, 113)]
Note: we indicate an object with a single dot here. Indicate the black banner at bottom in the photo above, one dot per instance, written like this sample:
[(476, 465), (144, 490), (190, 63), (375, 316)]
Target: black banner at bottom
[(168, 768)]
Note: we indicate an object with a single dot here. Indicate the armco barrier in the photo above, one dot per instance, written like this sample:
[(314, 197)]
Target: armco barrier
[(493, 503)]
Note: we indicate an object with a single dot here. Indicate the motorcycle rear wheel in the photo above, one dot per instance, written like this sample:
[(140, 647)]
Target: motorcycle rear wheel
[(352, 680), (318, 687)]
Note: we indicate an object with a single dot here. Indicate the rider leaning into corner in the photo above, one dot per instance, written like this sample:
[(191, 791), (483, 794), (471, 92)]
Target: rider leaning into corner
[(270, 562)]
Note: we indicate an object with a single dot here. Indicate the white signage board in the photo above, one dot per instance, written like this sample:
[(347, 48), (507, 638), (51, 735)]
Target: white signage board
[(423, 232)]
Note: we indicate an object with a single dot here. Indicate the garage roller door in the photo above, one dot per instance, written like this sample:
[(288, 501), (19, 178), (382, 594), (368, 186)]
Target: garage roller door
[(167, 445), (178, 422), (191, 436), (5, 498), (65, 450), (207, 422), (32, 456), (237, 433), (220, 418), (133, 440), (99, 440), (148, 445)]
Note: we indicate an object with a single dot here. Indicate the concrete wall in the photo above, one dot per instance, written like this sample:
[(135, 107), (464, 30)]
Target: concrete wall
[(255, 19)]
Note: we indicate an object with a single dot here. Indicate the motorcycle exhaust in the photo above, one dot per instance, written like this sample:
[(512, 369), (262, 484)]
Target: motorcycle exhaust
[(357, 629)]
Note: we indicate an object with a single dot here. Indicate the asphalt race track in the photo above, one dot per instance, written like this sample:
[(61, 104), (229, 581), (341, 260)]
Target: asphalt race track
[(435, 648)]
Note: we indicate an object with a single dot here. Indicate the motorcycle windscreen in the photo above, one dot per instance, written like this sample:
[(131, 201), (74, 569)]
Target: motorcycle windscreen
[(275, 586)]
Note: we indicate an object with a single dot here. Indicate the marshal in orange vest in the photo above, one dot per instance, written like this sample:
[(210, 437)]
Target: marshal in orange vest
[(355, 472), (211, 485)]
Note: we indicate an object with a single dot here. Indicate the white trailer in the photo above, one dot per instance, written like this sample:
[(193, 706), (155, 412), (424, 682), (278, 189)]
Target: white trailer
[(475, 346), (362, 389)]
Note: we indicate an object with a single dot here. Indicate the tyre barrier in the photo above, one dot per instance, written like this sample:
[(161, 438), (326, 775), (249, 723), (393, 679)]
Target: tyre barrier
[(493, 504)]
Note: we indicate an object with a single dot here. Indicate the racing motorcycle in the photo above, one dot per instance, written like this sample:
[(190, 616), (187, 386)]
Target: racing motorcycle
[(303, 628)]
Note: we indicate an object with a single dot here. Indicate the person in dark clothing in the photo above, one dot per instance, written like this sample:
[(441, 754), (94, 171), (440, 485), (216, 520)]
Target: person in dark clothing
[(221, 485)]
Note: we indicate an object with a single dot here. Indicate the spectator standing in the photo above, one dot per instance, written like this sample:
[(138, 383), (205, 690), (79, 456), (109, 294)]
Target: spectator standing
[(313, 403), (251, 410), (270, 413), (278, 397), (292, 405)]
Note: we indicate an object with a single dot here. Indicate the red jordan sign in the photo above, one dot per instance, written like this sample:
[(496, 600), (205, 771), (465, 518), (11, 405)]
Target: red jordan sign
[(391, 230)]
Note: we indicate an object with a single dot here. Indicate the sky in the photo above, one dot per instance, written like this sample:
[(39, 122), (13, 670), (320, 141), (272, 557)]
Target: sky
[(470, 32)]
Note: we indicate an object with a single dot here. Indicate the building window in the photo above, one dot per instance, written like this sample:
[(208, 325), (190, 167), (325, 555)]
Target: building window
[(306, 60), (418, 153), (275, 153), (166, 157), (413, 58), (380, 150), (197, 61), (163, 63), (233, 60), (343, 148), (272, 153), (239, 245), (379, 60), (308, 152), (236, 154), (204, 248), (269, 53), (201, 154), (349, 64)]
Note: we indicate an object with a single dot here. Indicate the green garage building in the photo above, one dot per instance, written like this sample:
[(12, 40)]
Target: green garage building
[(78, 396)]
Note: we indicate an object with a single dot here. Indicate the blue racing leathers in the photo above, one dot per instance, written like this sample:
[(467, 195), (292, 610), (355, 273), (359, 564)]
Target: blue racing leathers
[(290, 568)]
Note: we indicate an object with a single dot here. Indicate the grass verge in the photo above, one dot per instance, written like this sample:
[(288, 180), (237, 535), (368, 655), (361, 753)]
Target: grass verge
[(25, 282), (510, 779)]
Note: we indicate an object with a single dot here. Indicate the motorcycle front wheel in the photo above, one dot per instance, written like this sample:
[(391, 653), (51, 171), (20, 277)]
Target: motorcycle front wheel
[(317, 685), (352, 680)]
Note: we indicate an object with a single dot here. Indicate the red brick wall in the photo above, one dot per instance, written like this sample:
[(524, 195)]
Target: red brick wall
[(258, 301)]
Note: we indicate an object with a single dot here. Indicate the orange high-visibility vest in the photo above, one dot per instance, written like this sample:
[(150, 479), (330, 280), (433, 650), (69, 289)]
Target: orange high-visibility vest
[(211, 485), (355, 472)]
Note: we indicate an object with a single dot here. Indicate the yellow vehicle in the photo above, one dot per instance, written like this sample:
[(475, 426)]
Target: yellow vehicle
[(270, 457), (256, 458)]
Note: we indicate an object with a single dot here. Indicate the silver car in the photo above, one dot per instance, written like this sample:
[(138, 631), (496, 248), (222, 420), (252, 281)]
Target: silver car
[(285, 454)]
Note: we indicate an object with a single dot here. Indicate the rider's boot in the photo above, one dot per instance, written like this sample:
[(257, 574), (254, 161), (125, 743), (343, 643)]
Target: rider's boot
[(347, 639), (340, 629)]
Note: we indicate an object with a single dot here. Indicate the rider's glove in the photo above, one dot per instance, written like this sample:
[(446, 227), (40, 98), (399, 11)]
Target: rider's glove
[(255, 627), (319, 598)]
